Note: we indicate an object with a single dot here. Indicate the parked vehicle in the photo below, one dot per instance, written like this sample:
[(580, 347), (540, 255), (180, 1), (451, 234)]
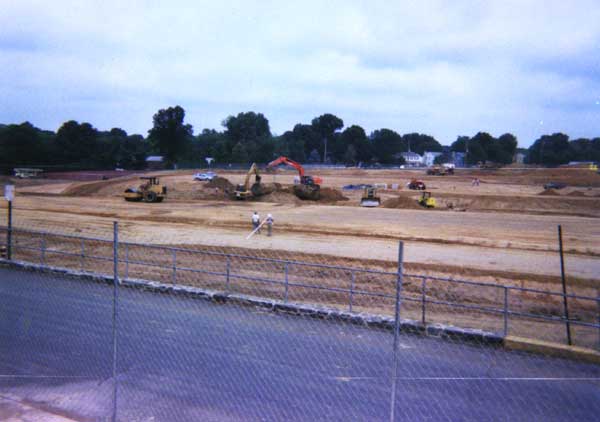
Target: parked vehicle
[(205, 176), (553, 185), (416, 184)]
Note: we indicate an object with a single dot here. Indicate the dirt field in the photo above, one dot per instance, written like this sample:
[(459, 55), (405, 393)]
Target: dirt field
[(502, 231)]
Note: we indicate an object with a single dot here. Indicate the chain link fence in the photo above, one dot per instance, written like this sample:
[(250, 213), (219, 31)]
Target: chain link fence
[(99, 326)]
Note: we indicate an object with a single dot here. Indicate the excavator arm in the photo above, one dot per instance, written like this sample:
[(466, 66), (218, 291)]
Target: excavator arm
[(285, 160), (253, 170), (309, 186), (245, 191)]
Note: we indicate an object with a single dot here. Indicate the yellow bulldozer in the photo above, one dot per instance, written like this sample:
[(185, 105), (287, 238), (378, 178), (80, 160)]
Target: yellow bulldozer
[(369, 197), (245, 191), (149, 191), (427, 200)]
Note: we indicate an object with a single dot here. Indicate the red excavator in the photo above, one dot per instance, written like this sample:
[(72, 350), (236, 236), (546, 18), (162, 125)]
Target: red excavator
[(309, 187)]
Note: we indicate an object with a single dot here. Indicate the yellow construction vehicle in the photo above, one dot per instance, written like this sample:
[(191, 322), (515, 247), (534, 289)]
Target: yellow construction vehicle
[(149, 191), (369, 197), (245, 191), (427, 201), (438, 170)]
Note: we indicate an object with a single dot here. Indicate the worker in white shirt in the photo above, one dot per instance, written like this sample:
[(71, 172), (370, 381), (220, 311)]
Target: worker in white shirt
[(256, 221)]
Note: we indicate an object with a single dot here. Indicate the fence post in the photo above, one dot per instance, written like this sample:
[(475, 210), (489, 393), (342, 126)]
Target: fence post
[(564, 285), (228, 272), (397, 328), (115, 302), (43, 250), (351, 291), (285, 270), (174, 266), (423, 301), (9, 233), (126, 261), (82, 255), (505, 311), (598, 307)]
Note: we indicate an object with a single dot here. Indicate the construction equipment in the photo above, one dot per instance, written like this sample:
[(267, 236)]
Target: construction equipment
[(427, 201), (245, 191), (369, 197), (440, 171), (309, 186), (149, 191), (416, 184)]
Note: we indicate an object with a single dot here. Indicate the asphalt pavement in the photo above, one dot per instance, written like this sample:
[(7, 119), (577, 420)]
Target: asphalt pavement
[(182, 358)]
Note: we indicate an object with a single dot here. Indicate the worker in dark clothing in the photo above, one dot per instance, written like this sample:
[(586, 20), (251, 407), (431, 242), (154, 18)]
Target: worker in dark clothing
[(269, 222)]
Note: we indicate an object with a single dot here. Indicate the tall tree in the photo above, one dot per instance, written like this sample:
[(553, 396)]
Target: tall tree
[(420, 143), (386, 144), (508, 147), (355, 137), (550, 150), (22, 144), (77, 143), (169, 135), (326, 126), (250, 130)]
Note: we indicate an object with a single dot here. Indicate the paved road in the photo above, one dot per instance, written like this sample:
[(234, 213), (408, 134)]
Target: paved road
[(187, 359)]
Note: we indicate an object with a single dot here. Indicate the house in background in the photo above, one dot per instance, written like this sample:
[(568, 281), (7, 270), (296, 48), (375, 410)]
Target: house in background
[(458, 159), (519, 158), (412, 158), (155, 162), (429, 157)]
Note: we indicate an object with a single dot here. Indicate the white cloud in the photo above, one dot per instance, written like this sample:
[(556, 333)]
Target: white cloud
[(434, 66)]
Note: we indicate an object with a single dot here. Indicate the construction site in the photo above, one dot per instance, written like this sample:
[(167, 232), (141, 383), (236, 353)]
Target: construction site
[(491, 226)]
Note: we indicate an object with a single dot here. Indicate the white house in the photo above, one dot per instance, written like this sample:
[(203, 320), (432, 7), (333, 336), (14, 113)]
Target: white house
[(412, 158), (429, 157)]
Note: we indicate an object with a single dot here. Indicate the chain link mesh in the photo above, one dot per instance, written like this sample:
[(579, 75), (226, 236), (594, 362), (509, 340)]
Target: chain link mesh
[(217, 332)]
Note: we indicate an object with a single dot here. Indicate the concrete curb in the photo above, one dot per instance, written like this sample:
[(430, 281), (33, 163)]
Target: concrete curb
[(552, 349)]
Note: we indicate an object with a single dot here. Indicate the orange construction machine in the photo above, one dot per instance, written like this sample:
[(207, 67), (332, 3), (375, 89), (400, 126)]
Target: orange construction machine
[(309, 187)]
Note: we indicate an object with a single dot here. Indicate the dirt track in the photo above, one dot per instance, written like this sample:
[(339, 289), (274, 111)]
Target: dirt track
[(502, 231), (504, 214)]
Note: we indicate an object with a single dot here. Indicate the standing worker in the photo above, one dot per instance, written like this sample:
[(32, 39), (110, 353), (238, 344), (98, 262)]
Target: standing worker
[(269, 222), (256, 221)]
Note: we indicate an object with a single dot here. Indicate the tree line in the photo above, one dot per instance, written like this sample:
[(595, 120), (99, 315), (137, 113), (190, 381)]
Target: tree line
[(247, 137)]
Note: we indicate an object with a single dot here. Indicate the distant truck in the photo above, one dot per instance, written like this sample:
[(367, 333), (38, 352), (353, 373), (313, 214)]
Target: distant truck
[(440, 171), (27, 173)]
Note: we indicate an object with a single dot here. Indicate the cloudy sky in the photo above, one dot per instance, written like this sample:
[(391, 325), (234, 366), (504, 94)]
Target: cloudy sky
[(445, 68)]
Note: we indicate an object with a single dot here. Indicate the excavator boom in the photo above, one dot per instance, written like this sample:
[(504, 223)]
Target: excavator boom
[(309, 187), (246, 191), (285, 160)]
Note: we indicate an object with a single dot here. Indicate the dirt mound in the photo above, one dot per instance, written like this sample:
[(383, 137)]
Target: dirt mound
[(401, 202), (576, 193), (331, 195), (549, 192), (114, 186), (281, 197), (221, 183)]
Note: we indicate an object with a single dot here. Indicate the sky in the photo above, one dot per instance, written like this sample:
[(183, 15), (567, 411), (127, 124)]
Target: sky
[(444, 68)]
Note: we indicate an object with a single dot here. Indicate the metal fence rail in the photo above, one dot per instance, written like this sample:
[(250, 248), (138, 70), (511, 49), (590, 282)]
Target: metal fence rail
[(174, 264)]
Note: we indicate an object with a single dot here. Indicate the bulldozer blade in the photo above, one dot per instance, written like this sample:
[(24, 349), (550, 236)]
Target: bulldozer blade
[(369, 203)]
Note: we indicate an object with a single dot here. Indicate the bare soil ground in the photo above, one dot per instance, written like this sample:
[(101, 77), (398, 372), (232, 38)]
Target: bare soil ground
[(502, 231)]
